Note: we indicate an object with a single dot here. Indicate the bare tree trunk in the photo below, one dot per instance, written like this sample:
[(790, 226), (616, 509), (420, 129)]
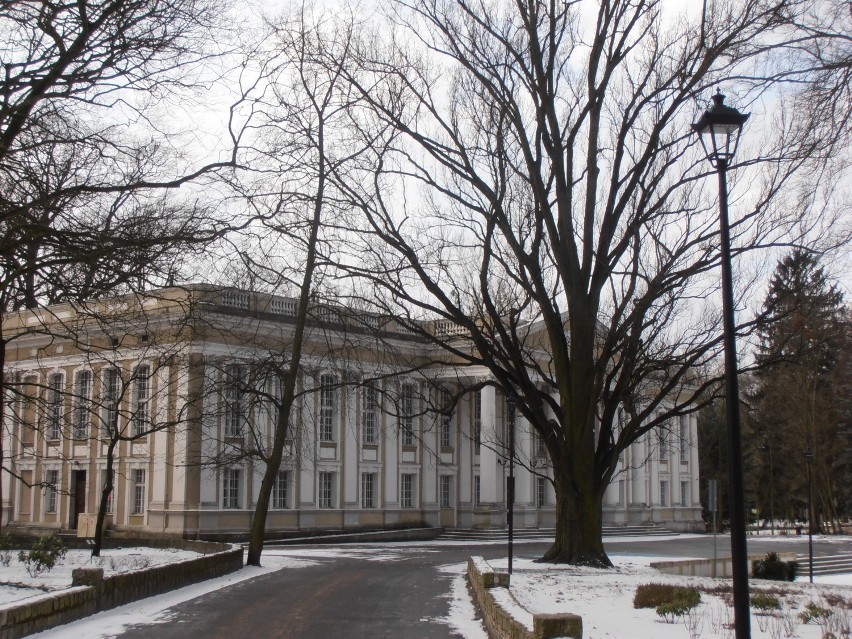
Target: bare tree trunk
[(579, 521), (273, 462), (2, 416), (105, 493)]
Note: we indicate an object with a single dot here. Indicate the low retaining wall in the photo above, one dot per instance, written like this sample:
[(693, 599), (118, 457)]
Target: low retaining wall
[(499, 620), (705, 567), (91, 592)]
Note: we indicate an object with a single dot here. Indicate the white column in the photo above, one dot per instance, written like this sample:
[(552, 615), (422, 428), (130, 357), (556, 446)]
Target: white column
[(488, 454), (161, 395), (390, 448), (349, 441), (523, 477), (639, 471), (693, 461), (464, 455), (307, 440), (181, 450)]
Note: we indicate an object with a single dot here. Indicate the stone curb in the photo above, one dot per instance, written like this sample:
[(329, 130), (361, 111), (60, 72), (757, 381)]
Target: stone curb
[(499, 621), (91, 592)]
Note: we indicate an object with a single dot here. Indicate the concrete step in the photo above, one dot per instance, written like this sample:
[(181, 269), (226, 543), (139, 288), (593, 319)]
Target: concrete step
[(826, 564), (472, 534)]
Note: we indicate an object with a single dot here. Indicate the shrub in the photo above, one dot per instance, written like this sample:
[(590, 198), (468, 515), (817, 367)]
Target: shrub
[(772, 567), (670, 611), (652, 595), (44, 555), (813, 612), (763, 604), (6, 545)]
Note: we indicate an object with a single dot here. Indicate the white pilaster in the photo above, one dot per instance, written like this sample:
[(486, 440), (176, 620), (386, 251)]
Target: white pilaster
[(487, 453)]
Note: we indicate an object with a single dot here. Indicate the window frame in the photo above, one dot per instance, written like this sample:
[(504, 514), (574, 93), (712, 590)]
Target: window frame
[(368, 490), (141, 419), (369, 414), (234, 418), (279, 499), (541, 492), (328, 404), (446, 491), (81, 416), (684, 438), (231, 487), (53, 407), (325, 490), (139, 479), (406, 492), (407, 395), (110, 399), (51, 495)]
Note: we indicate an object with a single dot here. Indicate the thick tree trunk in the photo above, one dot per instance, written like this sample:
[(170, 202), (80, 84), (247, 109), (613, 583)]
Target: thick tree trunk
[(579, 525), (2, 417)]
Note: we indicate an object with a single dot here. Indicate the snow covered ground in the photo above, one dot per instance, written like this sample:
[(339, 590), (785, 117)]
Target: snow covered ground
[(17, 585), (604, 598)]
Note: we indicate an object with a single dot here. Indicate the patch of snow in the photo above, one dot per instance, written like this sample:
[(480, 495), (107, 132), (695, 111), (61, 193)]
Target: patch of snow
[(17, 585), (156, 610)]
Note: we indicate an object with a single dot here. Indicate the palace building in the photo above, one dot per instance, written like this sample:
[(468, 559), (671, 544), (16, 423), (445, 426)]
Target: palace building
[(180, 387)]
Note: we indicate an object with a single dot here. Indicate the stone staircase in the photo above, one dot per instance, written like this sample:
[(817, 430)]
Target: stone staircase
[(826, 564), (545, 534)]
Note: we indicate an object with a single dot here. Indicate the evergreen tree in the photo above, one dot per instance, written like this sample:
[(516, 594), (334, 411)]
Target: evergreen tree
[(799, 399)]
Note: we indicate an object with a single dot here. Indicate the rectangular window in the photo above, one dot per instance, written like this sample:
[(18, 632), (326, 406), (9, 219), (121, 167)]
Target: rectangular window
[(234, 402), (328, 407), (664, 493), (684, 493), (82, 401), (406, 414), (54, 406), (326, 490), (110, 394), (540, 491), (477, 421), (231, 488), (51, 481), (621, 494), (141, 401), (138, 491), (279, 490), (446, 491), (369, 414), (368, 490), (663, 442), (406, 490), (684, 438), (446, 420), (110, 500), (540, 450), (477, 490)]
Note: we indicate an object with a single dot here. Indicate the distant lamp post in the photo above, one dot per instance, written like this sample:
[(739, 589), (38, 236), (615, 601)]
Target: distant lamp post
[(719, 130), (511, 406), (809, 457)]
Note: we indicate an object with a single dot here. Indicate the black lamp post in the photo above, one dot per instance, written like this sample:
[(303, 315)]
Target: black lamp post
[(511, 405), (719, 131), (809, 457)]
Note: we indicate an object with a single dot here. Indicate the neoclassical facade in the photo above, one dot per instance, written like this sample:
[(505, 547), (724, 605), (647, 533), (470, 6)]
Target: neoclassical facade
[(182, 385)]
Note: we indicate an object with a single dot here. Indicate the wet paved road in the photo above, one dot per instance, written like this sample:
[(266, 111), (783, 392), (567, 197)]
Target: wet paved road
[(398, 594)]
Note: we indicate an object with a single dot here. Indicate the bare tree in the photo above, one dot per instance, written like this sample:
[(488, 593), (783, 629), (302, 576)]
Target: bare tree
[(84, 146), (561, 221), (303, 114)]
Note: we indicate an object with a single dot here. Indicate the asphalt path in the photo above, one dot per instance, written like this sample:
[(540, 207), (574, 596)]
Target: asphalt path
[(401, 593)]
